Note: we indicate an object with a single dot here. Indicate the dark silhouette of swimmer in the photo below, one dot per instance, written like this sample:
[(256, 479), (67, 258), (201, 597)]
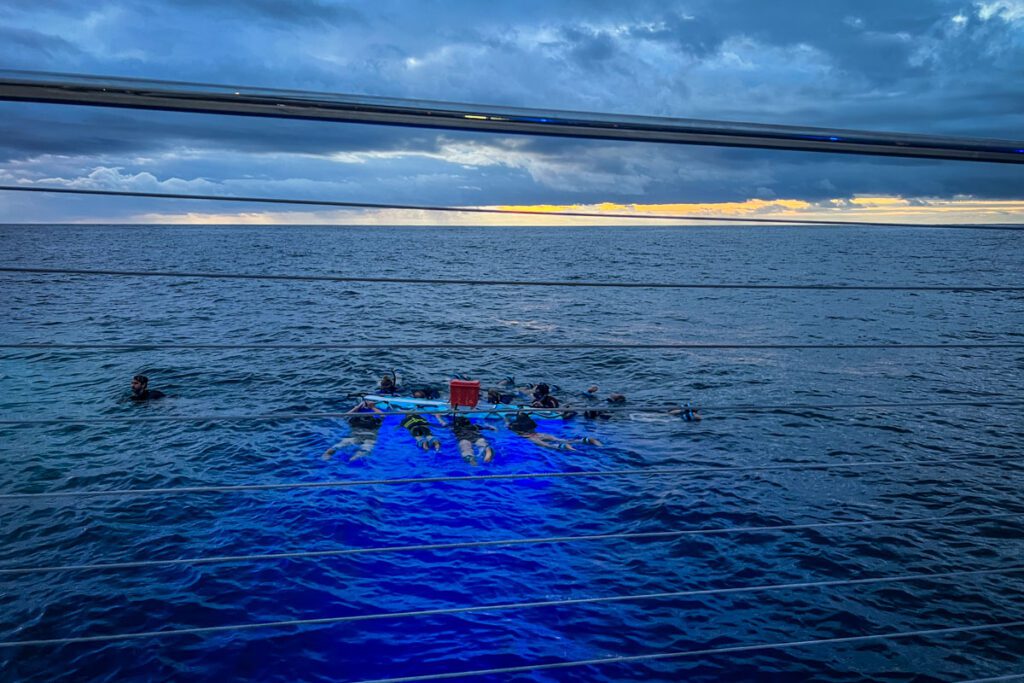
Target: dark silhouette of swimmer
[(141, 390), (388, 385), (594, 412), (418, 427), (526, 427), (542, 397), (471, 441), (687, 413), (365, 421)]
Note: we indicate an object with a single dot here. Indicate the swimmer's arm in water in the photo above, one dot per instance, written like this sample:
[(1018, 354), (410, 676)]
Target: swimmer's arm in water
[(440, 420), (355, 408)]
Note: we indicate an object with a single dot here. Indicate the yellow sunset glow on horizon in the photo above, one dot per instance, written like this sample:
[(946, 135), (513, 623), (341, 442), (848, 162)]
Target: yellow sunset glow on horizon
[(889, 209)]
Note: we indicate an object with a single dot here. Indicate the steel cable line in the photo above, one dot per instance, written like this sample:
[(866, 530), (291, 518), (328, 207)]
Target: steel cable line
[(493, 543), (575, 409), (456, 346), (730, 649), (995, 679), (486, 210), (349, 483), (324, 621), (511, 283), (208, 98)]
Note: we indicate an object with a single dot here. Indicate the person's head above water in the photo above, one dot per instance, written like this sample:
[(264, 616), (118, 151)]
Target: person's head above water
[(593, 389), (541, 390), (139, 384), (616, 398), (522, 423), (387, 383), (493, 396)]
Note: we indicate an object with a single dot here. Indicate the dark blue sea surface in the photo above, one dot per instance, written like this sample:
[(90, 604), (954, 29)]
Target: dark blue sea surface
[(74, 603)]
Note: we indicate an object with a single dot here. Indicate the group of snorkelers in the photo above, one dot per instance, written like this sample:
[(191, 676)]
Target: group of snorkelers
[(366, 419)]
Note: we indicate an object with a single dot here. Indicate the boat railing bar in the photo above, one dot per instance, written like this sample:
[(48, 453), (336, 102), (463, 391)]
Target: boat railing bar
[(721, 221), (578, 474), (411, 614), (600, 408), (511, 283), (996, 679), (79, 89), (456, 346)]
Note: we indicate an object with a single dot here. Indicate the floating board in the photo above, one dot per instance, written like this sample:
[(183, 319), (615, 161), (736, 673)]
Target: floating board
[(432, 406)]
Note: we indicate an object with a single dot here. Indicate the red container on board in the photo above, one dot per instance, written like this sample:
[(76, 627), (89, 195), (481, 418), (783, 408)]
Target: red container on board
[(464, 392)]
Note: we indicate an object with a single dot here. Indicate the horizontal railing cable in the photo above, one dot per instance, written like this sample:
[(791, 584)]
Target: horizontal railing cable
[(706, 652), (996, 679), (456, 346), (511, 283), (508, 211), (236, 100), (349, 483), (326, 621), (493, 543), (485, 409)]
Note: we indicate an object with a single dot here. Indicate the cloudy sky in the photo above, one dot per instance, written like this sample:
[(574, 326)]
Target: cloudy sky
[(945, 67)]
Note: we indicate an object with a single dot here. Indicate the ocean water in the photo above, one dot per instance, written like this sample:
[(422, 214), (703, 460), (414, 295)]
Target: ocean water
[(118, 601)]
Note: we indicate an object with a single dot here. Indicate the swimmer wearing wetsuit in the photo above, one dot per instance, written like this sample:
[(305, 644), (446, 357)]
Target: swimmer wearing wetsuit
[(525, 426), (365, 426), (141, 390), (471, 440), (418, 427)]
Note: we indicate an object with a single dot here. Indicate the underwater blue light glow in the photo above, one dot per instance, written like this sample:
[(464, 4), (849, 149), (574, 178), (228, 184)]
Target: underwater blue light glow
[(834, 139)]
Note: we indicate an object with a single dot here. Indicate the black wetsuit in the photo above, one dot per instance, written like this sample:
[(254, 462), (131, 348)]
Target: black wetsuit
[(545, 401), (416, 425), (365, 418), (147, 394), (522, 424), (465, 430)]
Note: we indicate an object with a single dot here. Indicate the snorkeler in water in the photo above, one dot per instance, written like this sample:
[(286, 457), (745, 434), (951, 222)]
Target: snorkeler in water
[(542, 397), (472, 443), (365, 421), (419, 428), (141, 390), (425, 391), (687, 413), (525, 426), (389, 384), (591, 399)]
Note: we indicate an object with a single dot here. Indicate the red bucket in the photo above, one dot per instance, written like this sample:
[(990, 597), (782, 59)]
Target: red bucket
[(464, 393)]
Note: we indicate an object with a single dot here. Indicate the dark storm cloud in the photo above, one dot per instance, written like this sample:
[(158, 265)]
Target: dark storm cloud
[(590, 47), (22, 47), (28, 130), (309, 12), (697, 36)]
